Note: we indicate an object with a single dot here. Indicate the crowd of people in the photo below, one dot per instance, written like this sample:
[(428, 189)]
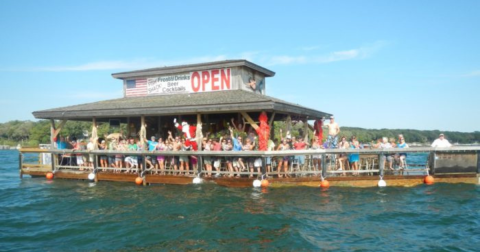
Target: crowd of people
[(235, 140)]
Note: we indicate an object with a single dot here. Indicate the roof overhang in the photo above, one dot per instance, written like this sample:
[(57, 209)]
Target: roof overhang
[(180, 104), (193, 67)]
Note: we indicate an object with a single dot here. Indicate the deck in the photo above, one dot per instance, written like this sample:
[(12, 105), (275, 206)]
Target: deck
[(447, 165)]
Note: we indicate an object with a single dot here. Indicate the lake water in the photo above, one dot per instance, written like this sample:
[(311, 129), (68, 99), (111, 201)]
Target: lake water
[(71, 215)]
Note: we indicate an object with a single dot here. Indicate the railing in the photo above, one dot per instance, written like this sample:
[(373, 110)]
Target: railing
[(323, 163)]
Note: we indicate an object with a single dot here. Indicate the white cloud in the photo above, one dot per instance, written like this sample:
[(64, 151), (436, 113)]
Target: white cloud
[(257, 56), (117, 65), (358, 53), (473, 74)]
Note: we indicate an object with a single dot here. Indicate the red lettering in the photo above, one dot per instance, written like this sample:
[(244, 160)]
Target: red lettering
[(225, 79), (195, 86), (205, 79), (215, 79)]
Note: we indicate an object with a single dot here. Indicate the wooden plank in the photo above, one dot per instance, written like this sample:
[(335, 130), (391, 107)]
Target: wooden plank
[(168, 179), (234, 182), (120, 177), (71, 175), (250, 120), (34, 150), (57, 130)]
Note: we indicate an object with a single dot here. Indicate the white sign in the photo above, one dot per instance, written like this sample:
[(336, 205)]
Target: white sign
[(193, 82)]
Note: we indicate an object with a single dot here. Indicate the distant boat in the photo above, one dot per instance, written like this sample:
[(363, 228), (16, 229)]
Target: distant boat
[(19, 147)]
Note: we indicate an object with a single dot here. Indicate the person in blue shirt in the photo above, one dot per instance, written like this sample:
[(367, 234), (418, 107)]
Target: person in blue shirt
[(152, 146), (62, 145), (237, 146)]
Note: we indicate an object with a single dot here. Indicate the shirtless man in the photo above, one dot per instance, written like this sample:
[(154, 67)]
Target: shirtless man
[(333, 131), (177, 146), (254, 86)]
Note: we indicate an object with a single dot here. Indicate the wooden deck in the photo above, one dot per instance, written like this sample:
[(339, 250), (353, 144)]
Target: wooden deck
[(452, 166), (361, 181)]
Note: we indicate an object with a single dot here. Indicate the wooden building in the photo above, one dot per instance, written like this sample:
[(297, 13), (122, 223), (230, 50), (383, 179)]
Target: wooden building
[(211, 92)]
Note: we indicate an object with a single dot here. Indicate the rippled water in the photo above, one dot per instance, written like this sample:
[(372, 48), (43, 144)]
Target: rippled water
[(70, 215)]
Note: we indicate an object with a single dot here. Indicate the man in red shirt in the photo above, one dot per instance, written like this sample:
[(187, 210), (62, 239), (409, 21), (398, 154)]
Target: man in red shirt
[(299, 145)]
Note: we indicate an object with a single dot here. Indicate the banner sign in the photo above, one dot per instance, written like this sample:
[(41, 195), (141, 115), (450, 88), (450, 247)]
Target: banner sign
[(193, 82)]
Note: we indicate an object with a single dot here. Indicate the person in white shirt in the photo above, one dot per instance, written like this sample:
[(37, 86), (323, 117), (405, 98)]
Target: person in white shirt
[(441, 142), (387, 157)]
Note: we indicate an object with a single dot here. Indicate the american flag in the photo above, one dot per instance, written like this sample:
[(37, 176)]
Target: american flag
[(136, 88)]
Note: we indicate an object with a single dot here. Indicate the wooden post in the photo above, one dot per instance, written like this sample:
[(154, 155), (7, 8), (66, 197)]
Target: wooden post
[(144, 168), (54, 161), (20, 163), (324, 165), (199, 136), (95, 167), (94, 134), (381, 164), (198, 133), (52, 132), (288, 124), (271, 119), (143, 130), (264, 167)]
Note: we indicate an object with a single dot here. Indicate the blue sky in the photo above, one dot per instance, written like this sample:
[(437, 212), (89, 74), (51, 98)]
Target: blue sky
[(374, 64)]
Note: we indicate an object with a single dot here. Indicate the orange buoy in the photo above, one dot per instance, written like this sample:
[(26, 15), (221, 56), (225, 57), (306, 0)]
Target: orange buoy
[(429, 180), (49, 175), (325, 184), (265, 183), (138, 181)]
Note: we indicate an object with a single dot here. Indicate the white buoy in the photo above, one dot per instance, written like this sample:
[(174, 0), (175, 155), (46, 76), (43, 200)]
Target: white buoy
[(91, 176), (257, 183), (197, 180), (382, 183)]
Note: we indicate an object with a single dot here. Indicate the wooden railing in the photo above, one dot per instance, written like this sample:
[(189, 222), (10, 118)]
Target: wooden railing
[(371, 161)]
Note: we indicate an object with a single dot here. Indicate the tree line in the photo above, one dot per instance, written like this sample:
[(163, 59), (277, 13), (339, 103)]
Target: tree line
[(28, 133)]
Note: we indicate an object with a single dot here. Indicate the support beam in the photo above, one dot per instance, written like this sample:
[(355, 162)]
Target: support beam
[(143, 130), (20, 163), (94, 134), (250, 120), (198, 133), (95, 167), (288, 124), (271, 119), (324, 165), (305, 131), (54, 131)]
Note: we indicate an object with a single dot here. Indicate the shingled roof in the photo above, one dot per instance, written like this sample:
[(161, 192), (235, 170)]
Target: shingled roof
[(193, 67), (232, 101)]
